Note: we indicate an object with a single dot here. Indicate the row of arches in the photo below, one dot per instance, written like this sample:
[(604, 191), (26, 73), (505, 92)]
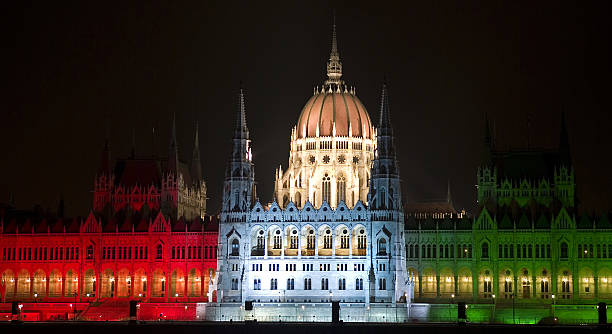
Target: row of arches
[(309, 240), (106, 284), (523, 283)]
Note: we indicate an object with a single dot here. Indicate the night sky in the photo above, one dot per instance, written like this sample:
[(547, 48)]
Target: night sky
[(68, 68)]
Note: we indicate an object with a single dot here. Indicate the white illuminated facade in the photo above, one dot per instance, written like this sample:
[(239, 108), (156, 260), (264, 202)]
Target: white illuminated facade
[(335, 231)]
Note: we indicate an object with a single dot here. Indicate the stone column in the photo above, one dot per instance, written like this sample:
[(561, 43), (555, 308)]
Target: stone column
[(63, 283), (475, 284), (31, 294), (533, 285), (420, 285), (596, 287), (437, 284), (456, 283), (47, 285), (201, 285), (132, 285), (186, 285)]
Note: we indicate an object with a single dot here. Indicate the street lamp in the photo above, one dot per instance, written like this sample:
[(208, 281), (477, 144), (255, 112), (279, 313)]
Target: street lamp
[(553, 308), (493, 315)]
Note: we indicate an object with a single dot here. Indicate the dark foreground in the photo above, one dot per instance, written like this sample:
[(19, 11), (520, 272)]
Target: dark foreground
[(285, 328)]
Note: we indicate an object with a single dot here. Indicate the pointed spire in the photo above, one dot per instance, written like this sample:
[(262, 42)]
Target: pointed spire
[(173, 152), (385, 117), (241, 130), (196, 166), (334, 66)]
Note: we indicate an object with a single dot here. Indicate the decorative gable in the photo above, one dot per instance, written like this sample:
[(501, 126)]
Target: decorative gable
[(159, 225), (91, 225)]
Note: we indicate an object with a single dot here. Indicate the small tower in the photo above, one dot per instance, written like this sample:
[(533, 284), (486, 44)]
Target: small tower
[(170, 181), (196, 165), (385, 191), (487, 173), (238, 190), (387, 214)]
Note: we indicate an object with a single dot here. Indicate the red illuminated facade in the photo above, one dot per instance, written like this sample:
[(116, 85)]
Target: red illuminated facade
[(147, 238)]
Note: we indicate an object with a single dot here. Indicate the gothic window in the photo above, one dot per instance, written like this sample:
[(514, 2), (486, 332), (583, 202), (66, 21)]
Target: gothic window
[(344, 240), (277, 240), (382, 284), (342, 284), (285, 201), (341, 189), (159, 252), (324, 284), (293, 240), (361, 240), (290, 284), (327, 240), (257, 284), (235, 247), (234, 284), (298, 198), (260, 241), (485, 250), (563, 250), (310, 240), (307, 284), (326, 188), (382, 246), (359, 284), (90, 252), (273, 284)]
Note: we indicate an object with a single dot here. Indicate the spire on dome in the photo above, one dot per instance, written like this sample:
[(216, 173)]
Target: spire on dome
[(334, 66)]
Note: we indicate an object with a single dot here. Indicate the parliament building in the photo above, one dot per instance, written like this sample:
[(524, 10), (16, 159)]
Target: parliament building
[(337, 231)]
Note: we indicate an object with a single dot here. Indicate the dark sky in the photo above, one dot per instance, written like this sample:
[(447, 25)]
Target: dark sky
[(69, 67)]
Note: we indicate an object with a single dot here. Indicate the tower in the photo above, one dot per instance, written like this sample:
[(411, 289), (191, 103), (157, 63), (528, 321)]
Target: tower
[(387, 212), (238, 199)]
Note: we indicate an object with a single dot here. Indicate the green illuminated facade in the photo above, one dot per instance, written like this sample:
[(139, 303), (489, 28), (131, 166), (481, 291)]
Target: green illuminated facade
[(527, 240)]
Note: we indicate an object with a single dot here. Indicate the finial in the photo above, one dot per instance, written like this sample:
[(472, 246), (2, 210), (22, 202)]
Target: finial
[(334, 66)]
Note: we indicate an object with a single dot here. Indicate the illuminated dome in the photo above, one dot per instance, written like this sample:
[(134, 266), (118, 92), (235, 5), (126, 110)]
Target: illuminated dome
[(340, 109)]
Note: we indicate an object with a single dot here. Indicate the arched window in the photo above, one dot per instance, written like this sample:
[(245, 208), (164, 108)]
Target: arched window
[(382, 246), (298, 199), (310, 240), (564, 252), (235, 247), (341, 188), (285, 201), (159, 252), (326, 188), (90, 252), (485, 250), (260, 241)]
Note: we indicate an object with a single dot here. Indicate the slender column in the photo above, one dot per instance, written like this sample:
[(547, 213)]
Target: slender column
[(167, 288), (47, 286), (475, 284), (202, 284), (185, 286), (63, 283), (132, 285), (456, 289), (437, 284), (31, 294), (116, 287), (420, 285), (596, 289), (533, 285)]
